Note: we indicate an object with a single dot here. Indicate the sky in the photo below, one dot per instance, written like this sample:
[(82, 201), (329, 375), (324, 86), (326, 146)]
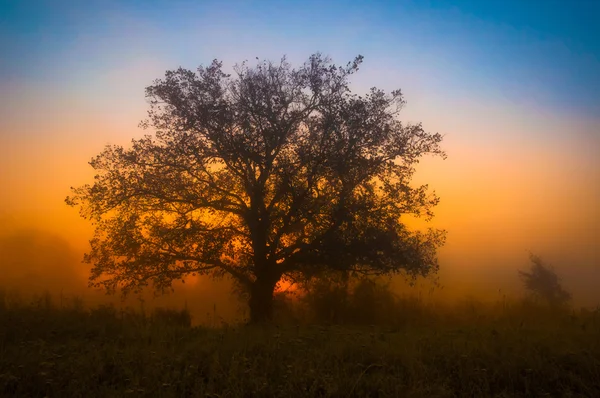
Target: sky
[(514, 87)]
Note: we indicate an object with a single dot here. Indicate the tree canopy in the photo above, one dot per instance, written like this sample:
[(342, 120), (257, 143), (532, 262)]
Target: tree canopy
[(270, 172), (543, 283)]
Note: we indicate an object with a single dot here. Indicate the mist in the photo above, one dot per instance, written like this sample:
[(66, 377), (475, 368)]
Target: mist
[(34, 263), (508, 97), (521, 130)]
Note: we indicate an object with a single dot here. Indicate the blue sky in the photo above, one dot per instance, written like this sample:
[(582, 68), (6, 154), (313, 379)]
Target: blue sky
[(546, 50)]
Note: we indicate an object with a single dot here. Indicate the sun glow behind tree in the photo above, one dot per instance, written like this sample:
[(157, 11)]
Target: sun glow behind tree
[(275, 173)]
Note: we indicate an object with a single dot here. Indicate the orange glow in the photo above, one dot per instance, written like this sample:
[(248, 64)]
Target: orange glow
[(285, 286), (513, 181)]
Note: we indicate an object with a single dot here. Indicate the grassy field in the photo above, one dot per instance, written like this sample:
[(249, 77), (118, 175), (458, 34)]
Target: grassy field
[(468, 351)]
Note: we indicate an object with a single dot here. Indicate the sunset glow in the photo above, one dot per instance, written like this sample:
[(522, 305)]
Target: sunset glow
[(516, 100)]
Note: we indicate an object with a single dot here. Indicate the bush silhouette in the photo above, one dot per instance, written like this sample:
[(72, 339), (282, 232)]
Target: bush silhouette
[(542, 282)]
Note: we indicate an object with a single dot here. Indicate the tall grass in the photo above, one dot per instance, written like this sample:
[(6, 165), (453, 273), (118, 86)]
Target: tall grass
[(378, 345)]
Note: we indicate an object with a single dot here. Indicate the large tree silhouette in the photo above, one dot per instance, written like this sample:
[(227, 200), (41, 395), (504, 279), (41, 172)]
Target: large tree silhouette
[(271, 173)]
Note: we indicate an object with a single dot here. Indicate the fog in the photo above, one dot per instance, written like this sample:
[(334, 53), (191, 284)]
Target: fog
[(519, 120), (35, 261), (502, 197)]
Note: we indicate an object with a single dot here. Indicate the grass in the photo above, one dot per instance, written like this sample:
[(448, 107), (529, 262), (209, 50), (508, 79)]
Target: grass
[(470, 350)]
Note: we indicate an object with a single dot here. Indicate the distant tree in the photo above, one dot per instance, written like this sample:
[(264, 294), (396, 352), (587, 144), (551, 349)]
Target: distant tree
[(542, 281), (273, 173)]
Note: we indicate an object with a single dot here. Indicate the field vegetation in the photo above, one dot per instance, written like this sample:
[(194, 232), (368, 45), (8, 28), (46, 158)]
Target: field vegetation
[(341, 339)]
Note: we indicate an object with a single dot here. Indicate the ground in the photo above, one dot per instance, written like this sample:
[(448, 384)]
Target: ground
[(72, 352)]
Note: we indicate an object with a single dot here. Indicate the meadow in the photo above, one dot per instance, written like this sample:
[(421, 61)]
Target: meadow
[(399, 348)]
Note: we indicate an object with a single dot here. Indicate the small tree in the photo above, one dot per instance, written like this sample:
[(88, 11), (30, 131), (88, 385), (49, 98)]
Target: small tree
[(543, 282), (274, 173)]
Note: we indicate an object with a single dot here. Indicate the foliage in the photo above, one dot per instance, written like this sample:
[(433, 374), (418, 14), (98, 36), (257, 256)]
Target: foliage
[(53, 351), (273, 173), (543, 283), (340, 299)]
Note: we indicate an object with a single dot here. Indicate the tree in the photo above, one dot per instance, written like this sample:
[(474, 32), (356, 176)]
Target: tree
[(543, 282), (273, 173)]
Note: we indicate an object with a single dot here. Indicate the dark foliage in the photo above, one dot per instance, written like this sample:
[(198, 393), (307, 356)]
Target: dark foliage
[(344, 300)]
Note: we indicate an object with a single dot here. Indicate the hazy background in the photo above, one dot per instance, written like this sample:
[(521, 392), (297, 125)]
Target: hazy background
[(514, 86)]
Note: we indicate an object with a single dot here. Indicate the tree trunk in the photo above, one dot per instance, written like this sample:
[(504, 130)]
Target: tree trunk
[(261, 300)]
